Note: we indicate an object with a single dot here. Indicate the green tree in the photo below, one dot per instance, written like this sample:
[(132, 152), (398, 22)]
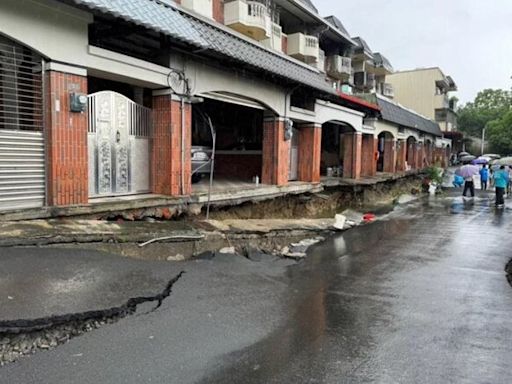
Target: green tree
[(500, 133), (489, 105)]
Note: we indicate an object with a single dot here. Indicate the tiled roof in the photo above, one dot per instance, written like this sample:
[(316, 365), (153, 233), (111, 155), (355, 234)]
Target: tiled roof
[(381, 60), (400, 115), (166, 19), (309, 4), (362, 45), (337, 24)]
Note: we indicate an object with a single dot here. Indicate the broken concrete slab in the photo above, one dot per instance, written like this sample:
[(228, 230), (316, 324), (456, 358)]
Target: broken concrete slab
[(37, 283), (353, 216), (263, 226), (45, 232)]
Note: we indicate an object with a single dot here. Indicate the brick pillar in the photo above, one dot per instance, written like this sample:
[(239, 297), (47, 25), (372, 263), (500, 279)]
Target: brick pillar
[(368, 161), (401, 155), (276, 153), (310, 143), (353, 143), (166, 157), (66, 139), (389, 156)]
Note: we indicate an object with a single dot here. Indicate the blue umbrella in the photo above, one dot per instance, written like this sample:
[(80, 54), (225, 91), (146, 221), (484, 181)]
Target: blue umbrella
[(480, 161)]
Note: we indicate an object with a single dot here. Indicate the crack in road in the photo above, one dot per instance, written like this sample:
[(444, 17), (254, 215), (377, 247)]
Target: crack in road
[(23, 337)]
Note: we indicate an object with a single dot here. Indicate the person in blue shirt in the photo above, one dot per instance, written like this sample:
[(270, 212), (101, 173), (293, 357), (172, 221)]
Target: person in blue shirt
[(458, 181), (501, 179), (484, 177)]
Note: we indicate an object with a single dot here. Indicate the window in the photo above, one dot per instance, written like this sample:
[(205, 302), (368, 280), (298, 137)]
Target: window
[(21, 87)]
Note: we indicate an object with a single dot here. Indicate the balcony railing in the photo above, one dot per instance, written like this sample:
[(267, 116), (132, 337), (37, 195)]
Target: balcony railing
[(203, 7), (276, 39), (304, 47), (257, 13), (248, 17), (388, 90), (339, 67), (364, 81)]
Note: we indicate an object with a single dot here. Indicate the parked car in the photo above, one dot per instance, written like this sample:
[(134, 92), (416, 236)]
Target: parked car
[(201, 162)]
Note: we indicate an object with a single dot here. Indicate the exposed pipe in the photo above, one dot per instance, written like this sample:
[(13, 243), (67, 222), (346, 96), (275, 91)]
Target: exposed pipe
[(182, 145)]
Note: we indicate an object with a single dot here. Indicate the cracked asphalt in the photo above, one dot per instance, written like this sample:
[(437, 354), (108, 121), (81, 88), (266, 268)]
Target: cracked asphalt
[(420, 297)]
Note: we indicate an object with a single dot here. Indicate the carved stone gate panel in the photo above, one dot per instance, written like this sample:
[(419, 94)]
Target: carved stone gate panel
[(118, 141)]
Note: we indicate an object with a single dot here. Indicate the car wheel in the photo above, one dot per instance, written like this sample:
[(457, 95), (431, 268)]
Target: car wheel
[(196, 178)]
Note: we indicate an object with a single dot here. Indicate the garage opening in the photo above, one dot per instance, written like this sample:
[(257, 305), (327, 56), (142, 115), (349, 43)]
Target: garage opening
[(22, 148), (239, 144), (336, 150)]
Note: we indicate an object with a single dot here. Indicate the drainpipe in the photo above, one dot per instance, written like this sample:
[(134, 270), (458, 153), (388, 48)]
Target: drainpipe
[(182, 145)]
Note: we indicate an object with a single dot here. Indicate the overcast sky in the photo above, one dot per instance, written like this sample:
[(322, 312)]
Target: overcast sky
[(471, 40)]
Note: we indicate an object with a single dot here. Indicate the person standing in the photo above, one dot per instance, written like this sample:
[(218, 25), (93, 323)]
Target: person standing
[(469, 184), (484, 177), (500, 181)]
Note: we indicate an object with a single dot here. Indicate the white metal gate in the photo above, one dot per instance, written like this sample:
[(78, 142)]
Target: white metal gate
[(118, 142), (22, 149)]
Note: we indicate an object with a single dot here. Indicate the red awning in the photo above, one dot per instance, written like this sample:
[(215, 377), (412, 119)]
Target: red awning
[(358, 101)]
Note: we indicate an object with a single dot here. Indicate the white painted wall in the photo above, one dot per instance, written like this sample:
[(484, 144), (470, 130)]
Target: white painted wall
[(326, 112), (210, 79), (384, 126), (55, 30)]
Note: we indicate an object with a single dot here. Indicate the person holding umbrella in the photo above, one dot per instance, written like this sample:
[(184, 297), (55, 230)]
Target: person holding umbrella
[(468, 172), (500, 181)]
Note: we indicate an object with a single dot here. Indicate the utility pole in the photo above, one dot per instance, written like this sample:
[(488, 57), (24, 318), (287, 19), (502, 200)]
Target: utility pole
[(483, 141)]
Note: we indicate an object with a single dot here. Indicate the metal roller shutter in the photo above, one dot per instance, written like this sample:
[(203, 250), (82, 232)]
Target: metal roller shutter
[(22, 148)]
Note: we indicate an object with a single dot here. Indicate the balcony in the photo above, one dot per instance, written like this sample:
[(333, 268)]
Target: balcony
[(250, 18), (304, 48), (339, 67), (388, 90), (276, 39), (364, 81), (203, 7), (441, 101)]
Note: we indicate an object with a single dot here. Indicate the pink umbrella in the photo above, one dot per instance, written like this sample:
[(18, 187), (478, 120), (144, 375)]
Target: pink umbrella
[(467, 171)]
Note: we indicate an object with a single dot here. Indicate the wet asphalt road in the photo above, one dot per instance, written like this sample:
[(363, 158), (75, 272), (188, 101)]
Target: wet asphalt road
[(418, 298)]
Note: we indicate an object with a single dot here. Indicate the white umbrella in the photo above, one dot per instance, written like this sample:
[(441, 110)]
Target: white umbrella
[(467, 171)]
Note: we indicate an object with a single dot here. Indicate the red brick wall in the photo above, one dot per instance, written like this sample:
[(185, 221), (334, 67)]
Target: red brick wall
[(368, 162), (243, 167), (276, 154), (166, 164), (310, 143), (389, 156), (66, 136), (285, 44), (218, 10), (352, 156)]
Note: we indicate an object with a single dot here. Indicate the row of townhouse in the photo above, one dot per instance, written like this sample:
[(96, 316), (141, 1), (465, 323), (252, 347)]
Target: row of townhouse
[(107, 98)]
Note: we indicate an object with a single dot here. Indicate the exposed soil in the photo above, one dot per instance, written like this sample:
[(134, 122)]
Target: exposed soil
[(325, 204)]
